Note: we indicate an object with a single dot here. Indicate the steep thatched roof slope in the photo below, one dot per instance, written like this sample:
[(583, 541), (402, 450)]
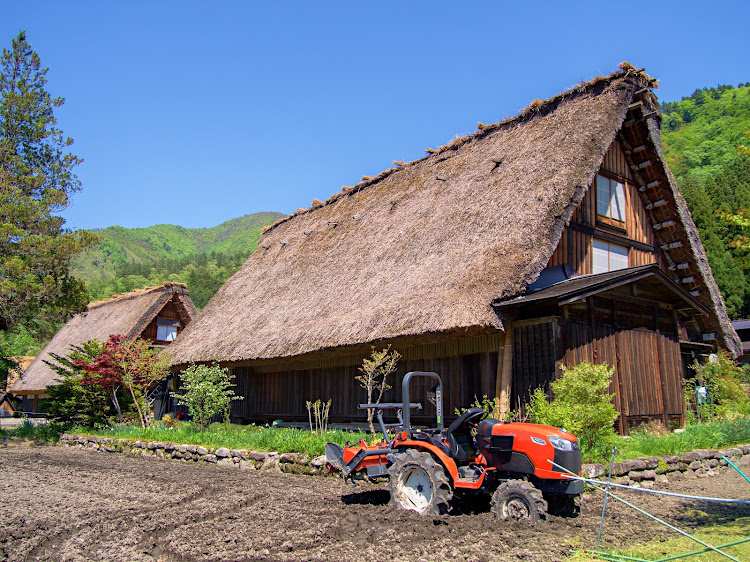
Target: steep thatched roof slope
[(126, 314), (423, 248)]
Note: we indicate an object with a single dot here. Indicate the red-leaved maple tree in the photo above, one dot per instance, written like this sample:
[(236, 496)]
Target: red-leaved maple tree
[(133, 365)]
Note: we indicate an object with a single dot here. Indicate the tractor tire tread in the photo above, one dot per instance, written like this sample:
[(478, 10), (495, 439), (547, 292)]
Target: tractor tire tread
[(442, 491), (518, 493)]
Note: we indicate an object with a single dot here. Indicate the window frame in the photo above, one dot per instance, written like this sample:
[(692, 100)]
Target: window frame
[(609, 253), (607, 219)]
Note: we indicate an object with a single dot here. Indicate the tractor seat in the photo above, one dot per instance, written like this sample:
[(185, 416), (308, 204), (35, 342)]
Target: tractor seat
[(459, 437)]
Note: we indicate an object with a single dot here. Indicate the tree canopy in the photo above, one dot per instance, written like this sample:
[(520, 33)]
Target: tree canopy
[(37, 178), (702, 137)]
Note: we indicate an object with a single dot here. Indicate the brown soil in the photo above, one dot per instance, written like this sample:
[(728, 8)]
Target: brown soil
[(67, 504)]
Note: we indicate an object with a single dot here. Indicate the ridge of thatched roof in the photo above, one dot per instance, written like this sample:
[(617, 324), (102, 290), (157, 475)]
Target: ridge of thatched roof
[(127, 314), (535, 107), (425, 247)]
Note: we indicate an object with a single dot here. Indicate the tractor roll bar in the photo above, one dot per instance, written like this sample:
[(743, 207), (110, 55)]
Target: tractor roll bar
[(436, 391)]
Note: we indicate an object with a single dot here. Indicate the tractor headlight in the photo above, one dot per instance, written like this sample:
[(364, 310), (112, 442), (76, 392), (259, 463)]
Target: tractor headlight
[(560, 443)]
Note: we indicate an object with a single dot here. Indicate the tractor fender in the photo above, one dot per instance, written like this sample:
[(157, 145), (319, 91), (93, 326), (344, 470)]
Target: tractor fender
[(448, 463)]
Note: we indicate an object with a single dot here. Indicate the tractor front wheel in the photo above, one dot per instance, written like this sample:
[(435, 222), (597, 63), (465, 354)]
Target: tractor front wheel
[(518, 499), (419, 483)]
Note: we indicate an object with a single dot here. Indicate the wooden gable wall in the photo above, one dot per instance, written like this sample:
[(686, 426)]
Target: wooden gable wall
[(575, 247), (173, 310)]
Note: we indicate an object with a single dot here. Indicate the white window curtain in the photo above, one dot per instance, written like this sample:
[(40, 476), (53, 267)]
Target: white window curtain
[(609, 257)]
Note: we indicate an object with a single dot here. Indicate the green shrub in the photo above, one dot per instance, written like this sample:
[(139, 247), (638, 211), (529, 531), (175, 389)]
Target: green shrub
[(581, 405), (72, 402), (207, 393), (726, 397)]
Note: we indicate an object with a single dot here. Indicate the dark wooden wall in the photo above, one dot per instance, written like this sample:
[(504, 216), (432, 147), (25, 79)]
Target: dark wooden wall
[(282, 394), (638, 339), (640, 342), (536, 351)]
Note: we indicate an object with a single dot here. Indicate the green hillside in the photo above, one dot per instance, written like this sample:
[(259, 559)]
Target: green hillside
[(700, 135), (132, 258)]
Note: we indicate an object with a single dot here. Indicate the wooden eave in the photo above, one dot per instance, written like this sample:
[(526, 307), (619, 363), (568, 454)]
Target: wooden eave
[(584, 286)]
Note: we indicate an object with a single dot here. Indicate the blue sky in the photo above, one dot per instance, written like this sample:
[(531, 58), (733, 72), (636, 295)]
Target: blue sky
[(193, 113)]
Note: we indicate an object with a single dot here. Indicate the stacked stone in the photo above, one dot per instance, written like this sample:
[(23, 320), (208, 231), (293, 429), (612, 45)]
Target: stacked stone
[(643, 472), (646, 471), (294, 463)]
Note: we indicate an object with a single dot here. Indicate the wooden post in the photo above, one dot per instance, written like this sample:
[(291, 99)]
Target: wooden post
[(505, 374), (659, 365)]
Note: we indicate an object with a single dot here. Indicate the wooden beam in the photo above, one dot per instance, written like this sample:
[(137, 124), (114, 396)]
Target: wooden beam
[(665, 224), (505, 380), (655, 204), (642, 165)]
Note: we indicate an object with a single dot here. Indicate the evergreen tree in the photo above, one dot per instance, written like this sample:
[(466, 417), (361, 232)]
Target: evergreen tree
[(36, 179)]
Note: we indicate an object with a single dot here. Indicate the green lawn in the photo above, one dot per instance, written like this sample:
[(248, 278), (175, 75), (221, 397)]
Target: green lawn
[(250, 437), (715, 535)]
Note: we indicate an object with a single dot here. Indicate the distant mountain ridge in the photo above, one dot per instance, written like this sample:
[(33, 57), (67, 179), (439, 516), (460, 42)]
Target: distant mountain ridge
[(121, 246)]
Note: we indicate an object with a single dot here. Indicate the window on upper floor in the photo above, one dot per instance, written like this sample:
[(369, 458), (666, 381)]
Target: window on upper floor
[(166, 329), (610, 201), (608, 256)]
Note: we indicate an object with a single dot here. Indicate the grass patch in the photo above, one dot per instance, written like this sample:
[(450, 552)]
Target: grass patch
[(41, 433), (251, 437), (715, 535), (715, 435)]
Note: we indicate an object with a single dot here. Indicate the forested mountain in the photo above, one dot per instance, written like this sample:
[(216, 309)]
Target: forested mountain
[(700, 137), (132, 258)]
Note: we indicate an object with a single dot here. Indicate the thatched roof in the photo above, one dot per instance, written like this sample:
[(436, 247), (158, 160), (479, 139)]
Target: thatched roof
[(427, 246), (23, 362), (127, 314)]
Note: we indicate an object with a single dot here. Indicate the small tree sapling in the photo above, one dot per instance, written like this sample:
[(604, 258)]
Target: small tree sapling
[(207, 392), (375, 372)]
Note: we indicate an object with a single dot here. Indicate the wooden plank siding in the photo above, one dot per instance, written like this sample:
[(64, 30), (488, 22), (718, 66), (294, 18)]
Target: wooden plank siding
[(535, 355), (639, 342), (173, 310), (282, 394), (575, 247)]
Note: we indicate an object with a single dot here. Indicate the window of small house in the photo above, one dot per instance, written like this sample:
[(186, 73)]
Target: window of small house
[(609, 257), (610, 199), (166, 333), (166, 329)]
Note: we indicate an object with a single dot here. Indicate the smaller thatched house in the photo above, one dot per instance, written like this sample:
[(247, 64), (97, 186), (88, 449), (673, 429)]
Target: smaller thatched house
[(156, 314), (7, 403)]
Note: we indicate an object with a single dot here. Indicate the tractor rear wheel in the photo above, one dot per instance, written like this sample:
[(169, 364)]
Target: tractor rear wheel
[(518, 499), (419, 483)]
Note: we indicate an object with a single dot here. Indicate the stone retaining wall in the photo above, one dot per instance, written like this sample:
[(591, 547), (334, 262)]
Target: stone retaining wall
[(643, 472), (295, 463), (646, 471)]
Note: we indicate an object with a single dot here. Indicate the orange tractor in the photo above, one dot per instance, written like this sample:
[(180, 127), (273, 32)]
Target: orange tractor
[(428, 468)]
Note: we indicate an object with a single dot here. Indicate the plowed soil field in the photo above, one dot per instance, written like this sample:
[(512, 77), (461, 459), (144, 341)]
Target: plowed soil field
[(67, 504)]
